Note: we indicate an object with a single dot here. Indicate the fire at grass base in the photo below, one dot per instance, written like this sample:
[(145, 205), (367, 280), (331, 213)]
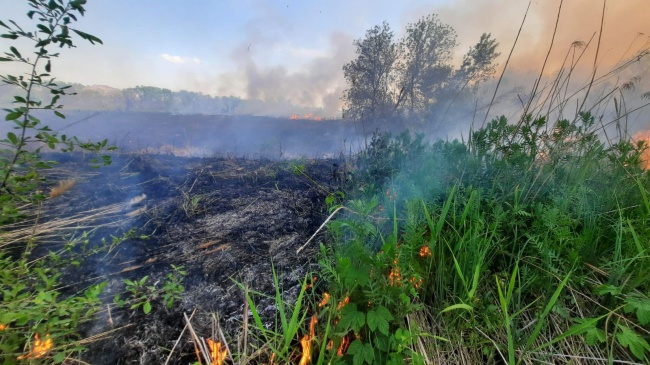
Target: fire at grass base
[(226, 221)]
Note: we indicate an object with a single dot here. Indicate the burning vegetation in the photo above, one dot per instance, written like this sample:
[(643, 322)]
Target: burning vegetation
[(307, 116), (526, 242)]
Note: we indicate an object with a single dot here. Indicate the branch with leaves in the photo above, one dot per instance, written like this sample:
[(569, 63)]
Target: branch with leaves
[(19, 157)]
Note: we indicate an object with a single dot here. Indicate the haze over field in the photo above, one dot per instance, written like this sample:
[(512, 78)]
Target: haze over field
[(292, 52)]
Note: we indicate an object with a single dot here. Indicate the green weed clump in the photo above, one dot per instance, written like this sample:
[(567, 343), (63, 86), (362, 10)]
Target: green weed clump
[(528, 242)]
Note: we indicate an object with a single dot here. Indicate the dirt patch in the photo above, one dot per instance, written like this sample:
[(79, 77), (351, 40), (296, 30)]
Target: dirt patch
[(224, 220)]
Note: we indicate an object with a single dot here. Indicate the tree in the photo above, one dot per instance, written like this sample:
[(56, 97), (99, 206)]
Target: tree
[(427, 51), (414, 77), (371, 76)]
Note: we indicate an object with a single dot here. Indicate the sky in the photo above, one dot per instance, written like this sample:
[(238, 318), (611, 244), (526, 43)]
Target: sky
[(294, 50)]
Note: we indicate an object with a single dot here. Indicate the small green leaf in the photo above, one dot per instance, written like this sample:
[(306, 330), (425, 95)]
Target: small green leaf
[(15, 51), (362, 352), (146, 308), (630, 339), (44, 29), (89, 37), (48, 66), (13, 115), (595, 336), (607, 289), (352, 318), (59, 114), (378, 319), (10, 36), (59, 357), (640, 305), (12, 138), (457, 306)]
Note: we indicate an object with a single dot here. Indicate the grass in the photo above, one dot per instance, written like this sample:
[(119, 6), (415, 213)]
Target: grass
[(528, 242)]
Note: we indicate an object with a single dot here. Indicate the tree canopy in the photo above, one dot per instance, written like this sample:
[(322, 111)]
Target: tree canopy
[(413, 77)]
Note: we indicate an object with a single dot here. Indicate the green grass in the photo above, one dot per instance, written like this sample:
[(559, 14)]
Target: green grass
[(554, 213)]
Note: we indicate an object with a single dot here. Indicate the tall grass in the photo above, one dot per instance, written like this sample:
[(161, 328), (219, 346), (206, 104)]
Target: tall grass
[(527, 243)]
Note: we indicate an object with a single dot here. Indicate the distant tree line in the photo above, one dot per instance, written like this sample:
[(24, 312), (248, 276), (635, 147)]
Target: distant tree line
[(155, 99), (412, 79)]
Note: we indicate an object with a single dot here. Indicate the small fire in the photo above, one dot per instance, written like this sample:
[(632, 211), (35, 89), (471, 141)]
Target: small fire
[(417, 283), (425, 251), (307, 116), (326, 299), (645, 157), (305, 342), (311, 285), (3, 327), (40, 348), (343, 347), (394, 276), (217, 355), (343, 303)]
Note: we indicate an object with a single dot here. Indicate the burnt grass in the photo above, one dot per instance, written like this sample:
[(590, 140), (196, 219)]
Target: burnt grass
[(225, 220)]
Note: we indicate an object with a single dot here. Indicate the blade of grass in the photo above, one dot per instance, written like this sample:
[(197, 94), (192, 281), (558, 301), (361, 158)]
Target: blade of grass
[(541, 320)]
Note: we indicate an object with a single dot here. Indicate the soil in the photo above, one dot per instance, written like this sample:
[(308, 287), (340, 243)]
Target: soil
[(228, 221)]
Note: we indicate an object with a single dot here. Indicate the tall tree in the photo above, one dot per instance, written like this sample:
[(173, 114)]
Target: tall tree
[(414, 78), (371, 76), (425, 63)]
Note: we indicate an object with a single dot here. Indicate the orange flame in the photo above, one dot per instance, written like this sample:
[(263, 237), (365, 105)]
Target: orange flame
[(305, 342), (217, 355), (307, 116), (326, 299), (343, 303), (343, 347), (425, 251), (394, 276), (40, 348), (3, 327)]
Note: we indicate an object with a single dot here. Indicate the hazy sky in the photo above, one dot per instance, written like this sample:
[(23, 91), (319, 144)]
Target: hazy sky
[(294, 50)]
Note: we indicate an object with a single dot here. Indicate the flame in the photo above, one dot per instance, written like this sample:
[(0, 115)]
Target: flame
[(417, 283), (425, 251), (326, 299), (3, 327), (394, 276), (217, 355), (343, 347), (343, 303), (311, 285), (645, 156), (40, 348), (305, 342), (307, 116), (312, 326)]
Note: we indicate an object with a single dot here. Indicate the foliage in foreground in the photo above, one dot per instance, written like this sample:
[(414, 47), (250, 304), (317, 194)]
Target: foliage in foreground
[(504, 247), (39, 316)]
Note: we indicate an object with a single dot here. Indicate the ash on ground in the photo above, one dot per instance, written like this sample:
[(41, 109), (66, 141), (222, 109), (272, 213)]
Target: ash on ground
[(228, 222)]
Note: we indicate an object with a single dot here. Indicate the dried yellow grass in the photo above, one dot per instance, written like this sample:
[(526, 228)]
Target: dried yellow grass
[(62, 187)]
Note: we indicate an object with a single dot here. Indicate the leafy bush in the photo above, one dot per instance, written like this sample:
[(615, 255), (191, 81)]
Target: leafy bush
[(551, 211)]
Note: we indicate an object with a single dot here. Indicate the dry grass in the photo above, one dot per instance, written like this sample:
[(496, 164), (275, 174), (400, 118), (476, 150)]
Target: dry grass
[(62, 187)]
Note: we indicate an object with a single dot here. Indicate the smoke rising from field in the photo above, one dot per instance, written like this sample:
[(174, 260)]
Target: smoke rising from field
[(319, 83), (316, 79)]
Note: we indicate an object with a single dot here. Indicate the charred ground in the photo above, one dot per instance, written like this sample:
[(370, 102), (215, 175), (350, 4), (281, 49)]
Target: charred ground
[(225, 220)]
